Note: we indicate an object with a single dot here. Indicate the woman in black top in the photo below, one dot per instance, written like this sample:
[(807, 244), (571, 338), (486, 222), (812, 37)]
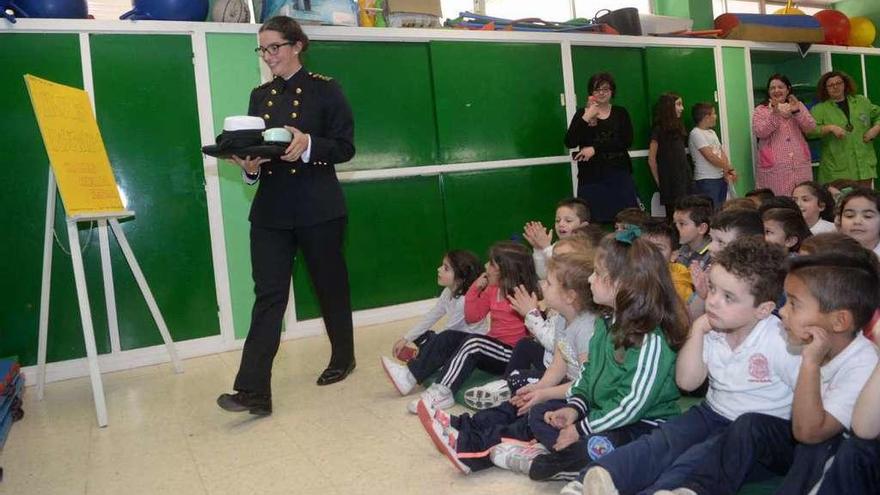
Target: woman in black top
[(299, 206), (667, 153), (603, 134)]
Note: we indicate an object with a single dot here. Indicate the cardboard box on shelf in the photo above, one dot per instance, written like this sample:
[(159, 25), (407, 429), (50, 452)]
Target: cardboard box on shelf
[(430, 7)]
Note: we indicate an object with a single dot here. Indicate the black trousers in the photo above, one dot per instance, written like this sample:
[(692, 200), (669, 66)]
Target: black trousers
[(485, 429), (856, 469), (528, 354), (756, 446), (568, 463), (272, 256), (434, 350)]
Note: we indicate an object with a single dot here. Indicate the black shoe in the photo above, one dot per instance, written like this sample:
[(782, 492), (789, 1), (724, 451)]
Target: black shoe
[(333, 374), (258, 404), (563, 465)]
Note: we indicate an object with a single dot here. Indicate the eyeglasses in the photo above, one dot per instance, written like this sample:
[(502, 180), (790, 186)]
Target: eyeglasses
[(834, 84), (602, 90), (271, 49)]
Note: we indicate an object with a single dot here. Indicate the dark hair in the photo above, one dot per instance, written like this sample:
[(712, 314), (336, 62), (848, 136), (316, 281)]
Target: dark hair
[(572, 271), (646, 297), (762, 193), (739, 204), (466, 267), (665, 120), (658, 227), (631, 216), (600, 78), (830, 242), (516, 267), (822, 196), (758, 263), (288, 28), (822, 89), (777, 77), (779, 202), (580, 207), (593, 232), (698, 207), (859, 192), (842, 281), (743, 221), (700, 111), (793, 224)]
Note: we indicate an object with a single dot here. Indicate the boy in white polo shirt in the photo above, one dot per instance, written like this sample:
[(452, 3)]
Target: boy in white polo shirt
[(741, 346), (830, 298)]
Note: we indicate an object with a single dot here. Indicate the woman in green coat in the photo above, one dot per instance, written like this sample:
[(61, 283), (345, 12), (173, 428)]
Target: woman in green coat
[(847, 123)]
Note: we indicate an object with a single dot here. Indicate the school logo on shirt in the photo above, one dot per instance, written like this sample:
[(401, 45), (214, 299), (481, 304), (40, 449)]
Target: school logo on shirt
[(759, 368), (599, 446)]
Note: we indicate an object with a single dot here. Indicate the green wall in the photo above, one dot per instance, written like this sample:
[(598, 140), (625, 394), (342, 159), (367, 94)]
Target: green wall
[(698, 10), (145, 103), (739, 116), (234, 71)]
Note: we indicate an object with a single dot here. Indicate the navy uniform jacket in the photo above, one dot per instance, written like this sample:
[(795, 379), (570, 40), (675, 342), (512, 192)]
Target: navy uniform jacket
[(297, 194)]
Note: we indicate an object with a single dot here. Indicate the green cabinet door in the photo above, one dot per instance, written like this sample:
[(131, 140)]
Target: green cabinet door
[(498, 101), (145, 98), (483, 207), (55, 57), (389, 88), (394, 242), (872, 74), (689, 72)]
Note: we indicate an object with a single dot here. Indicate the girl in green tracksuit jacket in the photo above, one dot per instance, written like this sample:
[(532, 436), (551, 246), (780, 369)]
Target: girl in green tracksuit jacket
[(628, 383)]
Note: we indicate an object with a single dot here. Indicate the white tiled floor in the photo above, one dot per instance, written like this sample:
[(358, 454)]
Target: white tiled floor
[(167, 436)]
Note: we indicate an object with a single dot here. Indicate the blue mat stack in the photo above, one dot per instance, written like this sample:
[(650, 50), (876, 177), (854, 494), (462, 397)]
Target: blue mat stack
[(11, 385)]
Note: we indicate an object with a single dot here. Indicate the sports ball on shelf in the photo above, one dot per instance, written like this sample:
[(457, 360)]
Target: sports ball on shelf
[(789, 11), (835, 24), (861, 31), (167, 10), (53, 9)]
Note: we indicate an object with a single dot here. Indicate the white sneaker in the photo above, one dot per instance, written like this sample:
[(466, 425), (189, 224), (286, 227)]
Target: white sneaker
[(436, 397), (516, 456), (445, 437), (598, 481), (400, 376), (677, 491), (487, 396), (572, 488)]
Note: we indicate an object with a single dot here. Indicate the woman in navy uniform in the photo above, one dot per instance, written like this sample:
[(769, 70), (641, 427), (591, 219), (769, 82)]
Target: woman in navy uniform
[(298, 206)]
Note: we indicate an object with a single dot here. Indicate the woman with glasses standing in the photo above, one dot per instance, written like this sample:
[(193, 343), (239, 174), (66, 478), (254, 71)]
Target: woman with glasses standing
[(298, 206), (847, 123), (603, 134)]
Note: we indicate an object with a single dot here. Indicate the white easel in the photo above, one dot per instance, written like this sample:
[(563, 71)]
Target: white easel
[(83, 296)]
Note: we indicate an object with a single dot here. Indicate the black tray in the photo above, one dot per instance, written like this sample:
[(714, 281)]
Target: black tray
[(262, 151)]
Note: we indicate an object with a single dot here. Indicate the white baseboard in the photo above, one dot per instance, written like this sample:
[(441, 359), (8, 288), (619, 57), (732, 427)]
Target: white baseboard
[(148, 356)]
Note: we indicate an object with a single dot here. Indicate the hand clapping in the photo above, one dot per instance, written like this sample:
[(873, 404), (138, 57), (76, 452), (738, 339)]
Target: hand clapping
[(536, 235), (522, 301)]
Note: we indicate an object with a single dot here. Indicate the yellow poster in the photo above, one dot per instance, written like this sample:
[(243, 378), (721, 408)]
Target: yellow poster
[(75, 148)]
